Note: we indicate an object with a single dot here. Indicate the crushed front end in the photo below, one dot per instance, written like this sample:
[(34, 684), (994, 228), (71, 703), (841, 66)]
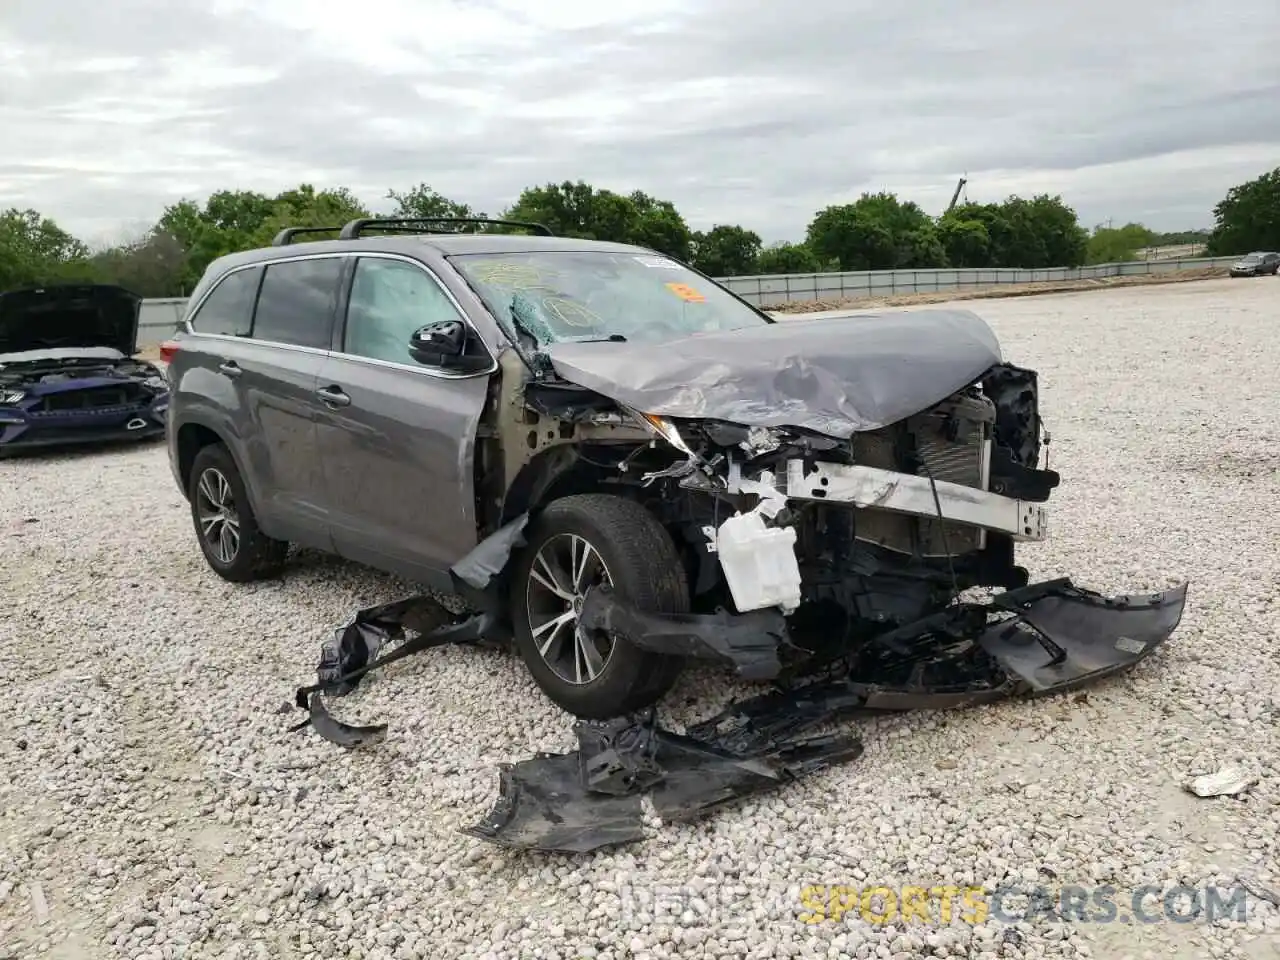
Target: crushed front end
[(810, 554)]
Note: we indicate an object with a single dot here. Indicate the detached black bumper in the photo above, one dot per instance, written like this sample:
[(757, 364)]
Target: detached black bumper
[(1037, 639)]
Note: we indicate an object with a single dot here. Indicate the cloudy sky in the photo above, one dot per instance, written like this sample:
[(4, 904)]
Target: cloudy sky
[(741, 111)]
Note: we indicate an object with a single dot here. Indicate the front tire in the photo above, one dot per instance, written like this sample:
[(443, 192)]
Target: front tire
[(576, 542), (226, 528)]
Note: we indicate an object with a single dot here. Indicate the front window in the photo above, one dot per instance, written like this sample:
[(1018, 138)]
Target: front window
[(1252, 258), (589, 295)]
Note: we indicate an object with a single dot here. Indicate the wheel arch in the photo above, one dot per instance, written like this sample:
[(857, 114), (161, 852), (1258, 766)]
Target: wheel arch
[(555, 472), (192, 437)]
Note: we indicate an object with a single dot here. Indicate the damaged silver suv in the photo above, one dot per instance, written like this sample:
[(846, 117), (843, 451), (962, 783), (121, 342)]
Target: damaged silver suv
[(627, 465)]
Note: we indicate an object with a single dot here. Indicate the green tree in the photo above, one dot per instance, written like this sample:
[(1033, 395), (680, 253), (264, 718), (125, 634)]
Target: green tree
[(234, 220), (306, 206), (579, 210), (1118, 244), (1179, 238), (660, 226), (788, 258), (1064, 241), (966, 241), (225, 224), (1248, 217), (1036, 233), (152, 266), (423, 201), (34, 249), (726, 251), (876, 232)]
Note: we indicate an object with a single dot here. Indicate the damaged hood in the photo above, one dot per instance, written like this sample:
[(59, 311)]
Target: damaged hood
[(836, 376), (65, 318)]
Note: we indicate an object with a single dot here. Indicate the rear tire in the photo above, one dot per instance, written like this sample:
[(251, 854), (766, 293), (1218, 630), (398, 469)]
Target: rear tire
[(225, 526), (632, 551)]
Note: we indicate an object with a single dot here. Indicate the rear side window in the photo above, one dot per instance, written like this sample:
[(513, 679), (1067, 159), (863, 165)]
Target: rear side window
[(228, 310), (297, 301)]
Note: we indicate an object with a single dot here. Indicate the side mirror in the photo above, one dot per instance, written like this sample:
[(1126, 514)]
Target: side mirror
[(443, 344)]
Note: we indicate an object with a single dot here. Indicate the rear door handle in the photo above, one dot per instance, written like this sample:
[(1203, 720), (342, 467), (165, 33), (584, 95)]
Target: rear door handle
[(333, 396), (230, 368)]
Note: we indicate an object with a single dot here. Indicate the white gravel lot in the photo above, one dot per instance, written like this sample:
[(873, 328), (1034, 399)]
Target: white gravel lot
[(152, 806)]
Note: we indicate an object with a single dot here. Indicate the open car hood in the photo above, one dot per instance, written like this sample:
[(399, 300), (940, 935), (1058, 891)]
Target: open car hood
[(67, 316), (836, 376)]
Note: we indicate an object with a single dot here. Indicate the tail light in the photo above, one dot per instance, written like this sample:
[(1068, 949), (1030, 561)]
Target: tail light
[(167, 350)]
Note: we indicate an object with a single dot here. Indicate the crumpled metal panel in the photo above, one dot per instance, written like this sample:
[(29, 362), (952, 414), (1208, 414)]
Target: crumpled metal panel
[(836, 376)]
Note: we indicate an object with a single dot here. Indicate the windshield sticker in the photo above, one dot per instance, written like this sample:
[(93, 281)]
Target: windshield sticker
[(660, 263), (686, 293), (570, 312)]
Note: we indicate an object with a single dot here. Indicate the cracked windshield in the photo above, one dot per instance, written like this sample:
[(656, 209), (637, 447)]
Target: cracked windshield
[(559, 296)]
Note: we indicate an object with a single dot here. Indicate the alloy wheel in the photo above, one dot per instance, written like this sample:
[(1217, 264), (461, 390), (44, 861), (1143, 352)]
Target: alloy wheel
[(216, 513), (565, 566)]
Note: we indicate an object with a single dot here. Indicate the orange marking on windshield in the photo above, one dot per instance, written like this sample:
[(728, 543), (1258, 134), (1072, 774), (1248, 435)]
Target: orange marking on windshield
[(686, 292)]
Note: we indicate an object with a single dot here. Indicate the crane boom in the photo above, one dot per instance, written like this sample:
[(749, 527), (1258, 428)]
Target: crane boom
[(956, 196)]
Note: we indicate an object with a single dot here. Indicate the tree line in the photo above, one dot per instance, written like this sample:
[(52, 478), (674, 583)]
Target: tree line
[(878, 231)]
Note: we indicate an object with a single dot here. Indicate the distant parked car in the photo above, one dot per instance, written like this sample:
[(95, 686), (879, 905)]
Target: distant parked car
[(67, 373), (1256, 264)]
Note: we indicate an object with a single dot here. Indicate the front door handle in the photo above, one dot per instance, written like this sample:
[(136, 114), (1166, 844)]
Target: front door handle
[(333, 396), (230, 368)]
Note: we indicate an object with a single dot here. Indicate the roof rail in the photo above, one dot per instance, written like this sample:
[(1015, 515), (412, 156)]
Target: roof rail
[(354, 229), (285, 236)]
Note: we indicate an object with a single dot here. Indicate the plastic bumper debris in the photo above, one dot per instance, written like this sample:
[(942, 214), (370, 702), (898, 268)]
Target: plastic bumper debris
[(583, 801), (749, 641), (356, 649)]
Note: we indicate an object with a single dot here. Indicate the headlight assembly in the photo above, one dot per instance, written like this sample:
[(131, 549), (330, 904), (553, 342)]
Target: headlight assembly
[(9, 397), (667, 430)]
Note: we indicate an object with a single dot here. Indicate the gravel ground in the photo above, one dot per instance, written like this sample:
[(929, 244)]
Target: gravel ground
[(151, 804)]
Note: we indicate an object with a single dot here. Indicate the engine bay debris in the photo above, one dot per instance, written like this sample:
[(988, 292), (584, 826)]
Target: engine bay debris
[(1028, 641)]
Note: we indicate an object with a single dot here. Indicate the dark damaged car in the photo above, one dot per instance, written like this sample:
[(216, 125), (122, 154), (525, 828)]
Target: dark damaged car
[(67, 371), (622, 465)]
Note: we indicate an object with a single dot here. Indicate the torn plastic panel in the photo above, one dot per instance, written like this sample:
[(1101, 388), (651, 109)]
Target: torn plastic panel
[(542, 805), (357, 649), (1015, 392), (1037, 639), (1063, 636), (748, 641), (477, 577), (357, 643), (591, 798)]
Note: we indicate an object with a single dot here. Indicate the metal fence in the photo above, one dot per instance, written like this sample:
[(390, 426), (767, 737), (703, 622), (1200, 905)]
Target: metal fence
[(773, 291), (160, 318)]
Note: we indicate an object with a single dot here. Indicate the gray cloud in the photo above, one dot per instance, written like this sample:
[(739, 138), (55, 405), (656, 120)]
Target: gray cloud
[(749, 111)]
